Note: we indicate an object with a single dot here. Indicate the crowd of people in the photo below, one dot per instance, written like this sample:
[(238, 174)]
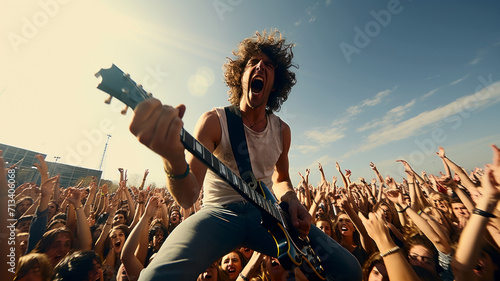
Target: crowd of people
[(426, 227)]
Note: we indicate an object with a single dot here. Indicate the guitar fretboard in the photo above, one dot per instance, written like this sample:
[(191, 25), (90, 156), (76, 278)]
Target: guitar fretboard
[(219, 168)]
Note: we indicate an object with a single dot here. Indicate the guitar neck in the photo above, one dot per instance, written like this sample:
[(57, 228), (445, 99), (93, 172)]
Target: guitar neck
[(220, 169)]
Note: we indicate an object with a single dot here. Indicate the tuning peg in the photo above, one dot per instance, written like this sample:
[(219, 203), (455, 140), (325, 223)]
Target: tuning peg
[(108, 100), (124, 111)]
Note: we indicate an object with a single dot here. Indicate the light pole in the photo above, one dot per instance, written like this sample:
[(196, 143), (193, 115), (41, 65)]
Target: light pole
[(102, 160)]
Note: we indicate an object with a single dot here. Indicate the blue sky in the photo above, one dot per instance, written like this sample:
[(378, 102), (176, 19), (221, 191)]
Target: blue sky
[(377, 80)]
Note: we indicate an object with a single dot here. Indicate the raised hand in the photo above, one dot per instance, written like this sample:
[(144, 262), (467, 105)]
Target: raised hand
[(407, 166), (42, 167), (495, 166), (376, 227), (440, 152), (337, 166), (74, 196), (152, 206), (395, 196), (348, 173), (372, 166), (390, 182)]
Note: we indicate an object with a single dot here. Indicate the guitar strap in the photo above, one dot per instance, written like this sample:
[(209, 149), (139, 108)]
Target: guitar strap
[(239, 144)]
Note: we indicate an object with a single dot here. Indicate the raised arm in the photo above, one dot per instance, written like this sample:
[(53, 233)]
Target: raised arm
[(132, 264), (84, 236), (467, 182), (366, 240), (344, 180), (468, 250), (397, 266), (146, 173)]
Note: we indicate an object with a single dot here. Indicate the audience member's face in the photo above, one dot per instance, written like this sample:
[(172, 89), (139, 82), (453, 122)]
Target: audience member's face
[(59, 248), (421, 256), (485, 268), (232, 265), (52, 209), (378, 273), (247, 252), (34, 274), (23, 206), (460, 210), (117, 240), (158, 238), (440, 203), (118, 219), (345, 225), (210, 274), (274, 267), (325, 227), (175, 217)]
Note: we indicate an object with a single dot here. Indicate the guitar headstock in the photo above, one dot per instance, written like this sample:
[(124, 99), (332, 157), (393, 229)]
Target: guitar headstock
[(119, 85)]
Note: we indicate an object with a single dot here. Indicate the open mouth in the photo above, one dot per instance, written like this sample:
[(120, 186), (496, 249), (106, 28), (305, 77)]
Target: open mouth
[(207, 276), (275, 263), (257, 85), (478, 269), (343, 228), (118, 244)]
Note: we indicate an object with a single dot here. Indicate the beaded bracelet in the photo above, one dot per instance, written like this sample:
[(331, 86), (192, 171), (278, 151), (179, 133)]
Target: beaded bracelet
[(483, 213), (391, 251), (243, 277), (177, 177), (404, 210)]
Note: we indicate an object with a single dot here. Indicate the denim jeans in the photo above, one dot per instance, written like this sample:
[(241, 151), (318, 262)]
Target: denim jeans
[(214, 231)]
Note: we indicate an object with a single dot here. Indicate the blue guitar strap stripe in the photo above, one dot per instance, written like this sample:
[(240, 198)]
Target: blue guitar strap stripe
[(239, 143)]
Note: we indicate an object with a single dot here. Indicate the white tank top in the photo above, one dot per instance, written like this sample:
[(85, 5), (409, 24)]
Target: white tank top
[(264, 148)]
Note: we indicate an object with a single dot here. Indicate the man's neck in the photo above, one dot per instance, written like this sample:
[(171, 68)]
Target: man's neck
[(254, 118)]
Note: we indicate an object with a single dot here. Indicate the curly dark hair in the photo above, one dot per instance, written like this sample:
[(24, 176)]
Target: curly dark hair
[(273, 45)]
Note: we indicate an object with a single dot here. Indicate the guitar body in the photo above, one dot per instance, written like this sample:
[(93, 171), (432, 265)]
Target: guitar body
[(293, 250)]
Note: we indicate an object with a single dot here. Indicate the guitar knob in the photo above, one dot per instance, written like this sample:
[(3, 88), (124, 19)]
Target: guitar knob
[(124, 111), (108, 100)]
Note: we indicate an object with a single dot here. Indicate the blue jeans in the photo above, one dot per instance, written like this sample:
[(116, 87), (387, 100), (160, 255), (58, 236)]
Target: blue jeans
[(214, 231)]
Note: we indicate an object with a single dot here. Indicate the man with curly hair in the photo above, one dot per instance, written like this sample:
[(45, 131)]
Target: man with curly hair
[(259, 80)]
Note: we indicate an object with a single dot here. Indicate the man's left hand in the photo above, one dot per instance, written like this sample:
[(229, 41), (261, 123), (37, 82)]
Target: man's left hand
[(300, 217)]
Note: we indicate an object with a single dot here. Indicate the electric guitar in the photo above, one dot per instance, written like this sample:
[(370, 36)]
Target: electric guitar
[(293, 249)]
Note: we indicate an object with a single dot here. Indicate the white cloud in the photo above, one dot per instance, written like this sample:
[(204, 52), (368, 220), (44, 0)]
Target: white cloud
[(390, 133), (459, 80), (392, 116), (325, 136), (305, 149), (474, 61), (430, 93)]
